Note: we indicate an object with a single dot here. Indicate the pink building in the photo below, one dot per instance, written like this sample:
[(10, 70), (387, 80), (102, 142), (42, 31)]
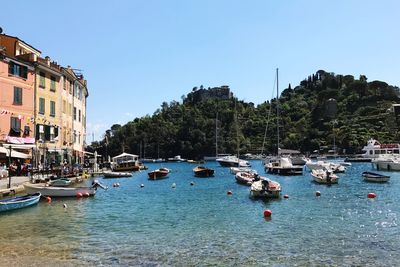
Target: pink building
[(16, 101)]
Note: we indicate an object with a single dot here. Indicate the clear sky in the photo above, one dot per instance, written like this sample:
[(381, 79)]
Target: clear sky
[(138, 54)]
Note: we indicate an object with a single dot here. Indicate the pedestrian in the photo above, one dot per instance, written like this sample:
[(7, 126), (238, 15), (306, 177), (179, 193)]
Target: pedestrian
[(18, 168)]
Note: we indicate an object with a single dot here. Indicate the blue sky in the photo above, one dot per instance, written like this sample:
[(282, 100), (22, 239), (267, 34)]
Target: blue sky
[(137, 54)]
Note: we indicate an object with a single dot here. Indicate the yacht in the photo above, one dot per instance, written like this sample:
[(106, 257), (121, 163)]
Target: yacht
[(374, 149), (232, 161)]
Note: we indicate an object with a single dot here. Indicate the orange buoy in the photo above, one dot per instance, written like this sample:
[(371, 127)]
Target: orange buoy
[(229, 193), (48, 199), (371, 195), (318, 194), (79, 195), (267, 213), (87, 194), (286, 196)]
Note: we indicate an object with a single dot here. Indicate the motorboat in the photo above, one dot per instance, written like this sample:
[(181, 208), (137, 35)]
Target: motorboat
[(265, 188), (321, 165), (386, 162), (375, 177), (19, 202), (116, 174), (177, 158), (247, 178), (324, 176), (283, 166), (232, 161), (56, 191), (201, 171), (125, 162), (158, 174), (374, 149), (61, 182), (235, 170)]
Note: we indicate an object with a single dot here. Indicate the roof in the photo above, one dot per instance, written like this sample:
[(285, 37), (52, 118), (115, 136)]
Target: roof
[(125, 155), (14, 37)]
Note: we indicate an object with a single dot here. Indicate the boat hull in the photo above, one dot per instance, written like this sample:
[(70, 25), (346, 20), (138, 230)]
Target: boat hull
[(375, 177), (108, 175), (53, 191), (19, 202), (285, 171)]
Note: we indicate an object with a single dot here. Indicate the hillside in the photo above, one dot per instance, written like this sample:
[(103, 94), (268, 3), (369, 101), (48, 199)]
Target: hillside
[(322, 109)]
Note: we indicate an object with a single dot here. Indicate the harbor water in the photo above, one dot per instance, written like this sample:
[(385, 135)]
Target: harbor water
[(201, 225)]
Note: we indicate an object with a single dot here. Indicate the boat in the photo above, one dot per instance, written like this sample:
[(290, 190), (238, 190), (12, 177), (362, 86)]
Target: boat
[(283, 166), (321, 164), (374, 149), (232, 161), (324, 176), (116, 174), (201, 171), (62, 182), (176, 159), (235, 170), (386, 162), (56, 191), (125, 162), (158, 174), (357, 159), (375, 177), (247, 178), (195, 161), (19, 202), (265, 189)]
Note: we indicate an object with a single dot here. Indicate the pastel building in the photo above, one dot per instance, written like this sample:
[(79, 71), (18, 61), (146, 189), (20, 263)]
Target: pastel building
[(80, 94)]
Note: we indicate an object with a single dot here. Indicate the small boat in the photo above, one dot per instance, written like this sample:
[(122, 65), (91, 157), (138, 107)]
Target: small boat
[(55, 191), (324, 177), (235, 170), (265, 188), (177, 159), (247, 178), (201, 171), (232, 161), (19, 202), (375, 177), (158, 174), (116, 174), (283, 166), (62, 182)]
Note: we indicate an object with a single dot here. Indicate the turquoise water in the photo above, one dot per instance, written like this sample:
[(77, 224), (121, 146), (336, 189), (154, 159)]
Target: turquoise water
[(201, 225)]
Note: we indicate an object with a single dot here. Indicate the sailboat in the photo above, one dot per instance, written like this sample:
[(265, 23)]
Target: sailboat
[(281, 165)]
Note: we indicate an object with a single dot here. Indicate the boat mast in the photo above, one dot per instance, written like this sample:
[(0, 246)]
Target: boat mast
[(237, 134), (216, 135), (277, 105)]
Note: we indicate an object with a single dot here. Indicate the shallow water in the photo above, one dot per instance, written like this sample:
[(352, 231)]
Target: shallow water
[(201, 225)]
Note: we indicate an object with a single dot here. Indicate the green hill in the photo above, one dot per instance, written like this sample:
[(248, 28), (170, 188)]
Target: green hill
[(322, 109)]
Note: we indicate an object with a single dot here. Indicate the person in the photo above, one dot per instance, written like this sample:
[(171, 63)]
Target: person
[(328, 176), (18, 168)]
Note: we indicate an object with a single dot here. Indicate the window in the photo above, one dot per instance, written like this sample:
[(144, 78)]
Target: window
[(41, 133), (26, 130), (17, 96), (74, 136), (51, 134), (65, 84), (64, 106), (70, 88), (42, 80), (41, 105), (79, 137), (79, 117), (16, 124), (74, 113), (17, 70), (52, 108), (52, 83)]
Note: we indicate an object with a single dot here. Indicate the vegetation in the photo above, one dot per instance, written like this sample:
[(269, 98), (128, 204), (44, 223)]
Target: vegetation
[(324, 108)]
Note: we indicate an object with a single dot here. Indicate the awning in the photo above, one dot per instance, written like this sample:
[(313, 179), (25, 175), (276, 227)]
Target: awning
[(20, 140), (14, 154)]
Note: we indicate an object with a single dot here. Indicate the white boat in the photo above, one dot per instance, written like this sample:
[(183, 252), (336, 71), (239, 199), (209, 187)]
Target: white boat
[(116, 174), (247, 178), (324, 176), (375, 177), (125, 162), (235, 170), (232, 161), (283, 166), (265, 189), (386, 162), (374, 149), (177, 159), (53, 191), (325, 165)]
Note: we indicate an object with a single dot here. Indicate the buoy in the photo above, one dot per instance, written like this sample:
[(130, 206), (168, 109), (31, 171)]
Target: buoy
[(79, 195), (142, 185), (115, 184), (371, 195), (229, 193), (48, 199), (267, 213), (191, 183), (65, 206), (286, 196), (173, 185), (86, 194), (318, 194)]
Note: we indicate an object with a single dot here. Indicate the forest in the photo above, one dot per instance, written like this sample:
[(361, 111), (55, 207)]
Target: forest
[(324, 112)]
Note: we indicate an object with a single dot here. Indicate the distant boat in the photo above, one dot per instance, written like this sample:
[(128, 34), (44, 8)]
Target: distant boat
[(62, 182), (201, 171), (375, 177), (125, 162), (116, 174), (283, 166), (158, 174), (19, 202), (232, 161), (177, 159), (54, 191), (324, 177)]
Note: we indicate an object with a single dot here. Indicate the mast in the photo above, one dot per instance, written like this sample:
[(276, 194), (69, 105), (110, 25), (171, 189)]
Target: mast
[(237, 134), (277, 106), (216, 135)]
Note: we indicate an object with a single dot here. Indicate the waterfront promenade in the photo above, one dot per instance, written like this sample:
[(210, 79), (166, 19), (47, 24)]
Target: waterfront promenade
[(16, 184)]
